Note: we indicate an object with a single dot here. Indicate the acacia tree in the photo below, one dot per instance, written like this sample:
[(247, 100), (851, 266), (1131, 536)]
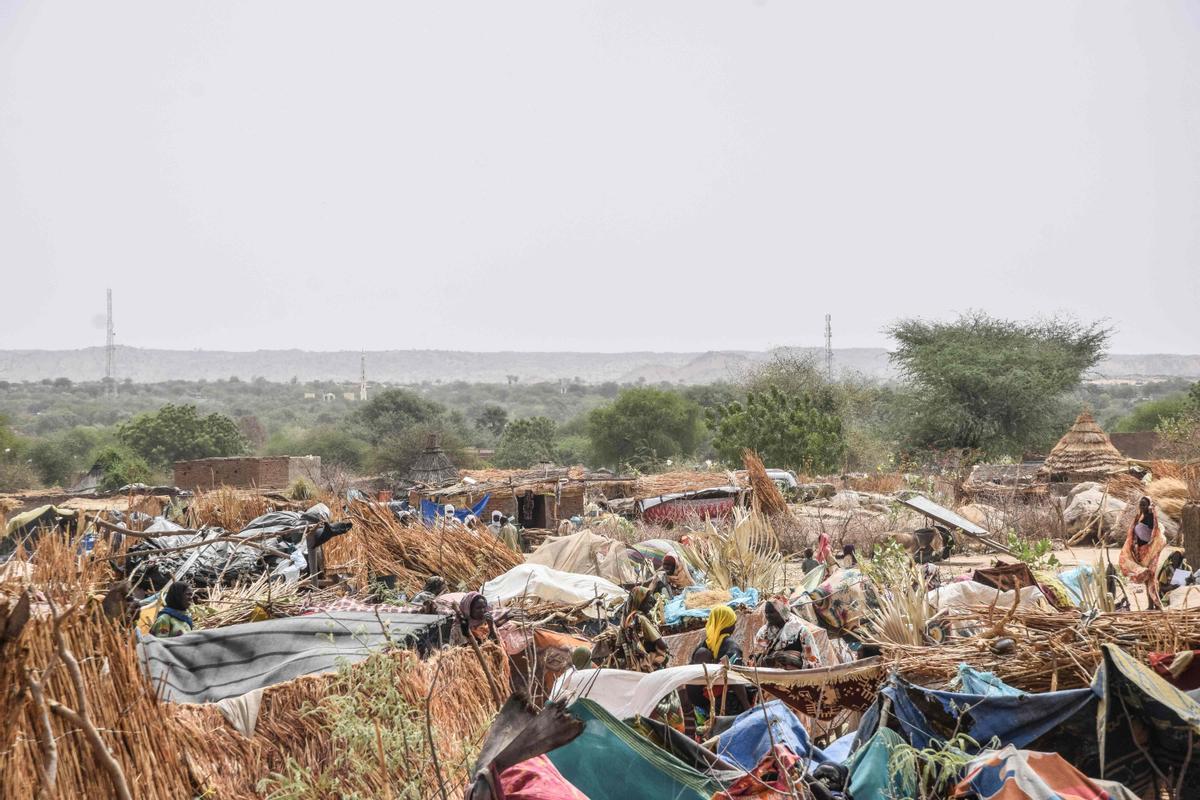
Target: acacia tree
[(800, 431), (526, 442), (644, 426), (177, 433), (492, 418), (991, 385)]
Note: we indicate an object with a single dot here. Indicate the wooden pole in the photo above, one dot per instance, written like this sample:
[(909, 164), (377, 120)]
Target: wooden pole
[(1189, 529)]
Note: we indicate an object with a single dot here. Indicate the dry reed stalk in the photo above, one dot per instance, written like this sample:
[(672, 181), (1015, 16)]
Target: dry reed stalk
[(263, 598), (1052, 649), (379, 545), (767, 498), (120, 701)]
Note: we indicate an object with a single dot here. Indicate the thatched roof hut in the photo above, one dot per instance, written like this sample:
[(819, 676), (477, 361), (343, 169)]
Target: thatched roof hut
[(432, 467), (1084, 453)]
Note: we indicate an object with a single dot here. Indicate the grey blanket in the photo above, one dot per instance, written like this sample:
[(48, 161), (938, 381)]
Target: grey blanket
[(210, 665)]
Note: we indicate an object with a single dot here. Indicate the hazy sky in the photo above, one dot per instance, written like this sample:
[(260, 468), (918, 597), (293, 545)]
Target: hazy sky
[(601, 176)]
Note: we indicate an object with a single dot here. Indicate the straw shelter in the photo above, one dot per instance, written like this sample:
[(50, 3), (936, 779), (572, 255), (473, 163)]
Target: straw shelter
[(432, 467), (1084, 453)]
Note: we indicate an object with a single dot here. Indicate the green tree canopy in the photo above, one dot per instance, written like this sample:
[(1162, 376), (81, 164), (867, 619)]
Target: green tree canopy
[(178, 433), (120, 467), (394, 412), (644, 426), (1147, 416), (526, 442), (989, 384), (801, 431), (492, 418)]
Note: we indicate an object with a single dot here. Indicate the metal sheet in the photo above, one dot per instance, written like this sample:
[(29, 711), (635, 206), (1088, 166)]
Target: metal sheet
[(922, 504)]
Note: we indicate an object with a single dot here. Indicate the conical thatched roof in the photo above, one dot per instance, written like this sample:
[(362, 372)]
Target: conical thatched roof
[(432, 468), (1083, 453)]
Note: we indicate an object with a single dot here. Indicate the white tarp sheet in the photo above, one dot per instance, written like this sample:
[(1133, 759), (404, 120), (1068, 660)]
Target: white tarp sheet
[(626, 694), (545, 583), (969, 594)]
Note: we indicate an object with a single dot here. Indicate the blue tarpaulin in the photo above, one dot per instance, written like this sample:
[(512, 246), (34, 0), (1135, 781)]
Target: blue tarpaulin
[(611, 761), (754, 732), (676, 608), (431, 510), (1019, 720), (974, 681)]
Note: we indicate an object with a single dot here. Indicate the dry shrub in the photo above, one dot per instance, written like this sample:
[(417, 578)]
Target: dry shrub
[(226, 507), (319, 735), (878, 483)]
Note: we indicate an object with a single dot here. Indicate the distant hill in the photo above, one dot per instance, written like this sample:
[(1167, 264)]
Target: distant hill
[(415, 366)]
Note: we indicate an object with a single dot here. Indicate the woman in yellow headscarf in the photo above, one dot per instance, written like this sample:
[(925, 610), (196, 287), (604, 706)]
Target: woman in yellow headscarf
[(718, 645), (721, 622)]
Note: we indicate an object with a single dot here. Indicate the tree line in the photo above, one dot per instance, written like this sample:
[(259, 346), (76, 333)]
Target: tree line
[(979, 386)]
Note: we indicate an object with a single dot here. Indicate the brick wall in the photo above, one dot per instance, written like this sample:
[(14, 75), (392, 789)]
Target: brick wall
[(272, 472)]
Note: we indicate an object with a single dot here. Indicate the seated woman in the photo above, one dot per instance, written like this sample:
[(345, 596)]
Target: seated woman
[(785, 641), (472, 620), (1139, 556), (699, 702), (640, 646)]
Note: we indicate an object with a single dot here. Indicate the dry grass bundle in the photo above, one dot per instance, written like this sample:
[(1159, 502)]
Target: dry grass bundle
[(746, 555), (1169, 495), (877, 483), (767, 498), (263, 598), (226, 507), (116, 698), (1126, 487), (707, 598), (1053, 651), (680, 481), (378, 544)]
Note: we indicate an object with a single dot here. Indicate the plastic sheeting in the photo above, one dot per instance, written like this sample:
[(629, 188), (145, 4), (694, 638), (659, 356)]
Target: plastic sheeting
[(546, 583), (974, 681), (626, 694), (1012, 774), (431, 510), (587, 553), (753, 733), (969, 594), (676, 609), (611, 761)]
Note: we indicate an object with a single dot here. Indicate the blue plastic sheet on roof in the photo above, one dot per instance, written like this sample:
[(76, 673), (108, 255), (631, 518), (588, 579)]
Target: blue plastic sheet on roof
[(753, 733), (974, 681), (431, 510), (676, 608), (1012, 719)]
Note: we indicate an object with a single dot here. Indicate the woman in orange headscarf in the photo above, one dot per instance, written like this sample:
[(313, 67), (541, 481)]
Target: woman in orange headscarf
[(1139, 556)]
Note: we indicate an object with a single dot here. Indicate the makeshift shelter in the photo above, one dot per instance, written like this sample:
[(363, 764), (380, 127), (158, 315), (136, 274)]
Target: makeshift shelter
[(538, 498), (432, 467), (1084, 453)]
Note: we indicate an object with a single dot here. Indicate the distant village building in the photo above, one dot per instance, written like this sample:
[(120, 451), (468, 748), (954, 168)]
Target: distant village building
[(351, 396), (266, 472), (310, 395), (329, 397)]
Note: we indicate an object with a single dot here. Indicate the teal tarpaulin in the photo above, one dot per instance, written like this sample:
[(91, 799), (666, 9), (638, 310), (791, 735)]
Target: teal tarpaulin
[(610, 761)]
